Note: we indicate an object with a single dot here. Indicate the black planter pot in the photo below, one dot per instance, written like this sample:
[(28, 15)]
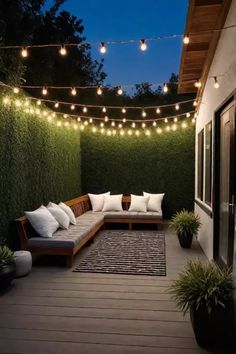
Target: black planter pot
[(185, 240), (213, 331), (7, 274)]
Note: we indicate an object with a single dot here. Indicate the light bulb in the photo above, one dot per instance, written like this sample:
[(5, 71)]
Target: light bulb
[(143, 125), (75, 126), (38, 102), (72, 107), (130, 132), (109, 133), (6, 100), (99, 91), (65, 115), (187, 114), (63, 50), (175, 119), (154, 123), (16, 90), (165, 88), (81, 127), (124, 120), (186, 39), (119, 91), (26, 103), (59, 123), (102, 48), (85, 110), (159, 130), (101, 125), (158, 111), (90, 120), (133, 125), (137, 133), (73, 91), (177, 106), (78, 119), (56, 105), (144, 114), (195, 103), (113, 124), (143, 45), (123, 110), (193, 120), (122, 132), (104, 109), (166, 120), (24, 52), (120, 126), (86, 123), (66, 124), (44, 91), (167, 128), (94, 129), (184, 125), (174, 127), (106, 119), (198, 84), (216, 83), (147, 132)]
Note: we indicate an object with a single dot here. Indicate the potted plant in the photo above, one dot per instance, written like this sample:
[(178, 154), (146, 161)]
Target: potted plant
[(186, 224), (7, 267), (206, 291)]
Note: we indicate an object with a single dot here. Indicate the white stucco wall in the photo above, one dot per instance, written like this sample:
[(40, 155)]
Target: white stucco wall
[(224, 67)]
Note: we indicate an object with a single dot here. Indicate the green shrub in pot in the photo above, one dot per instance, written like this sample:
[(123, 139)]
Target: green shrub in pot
[(7, 267), (186, 224)]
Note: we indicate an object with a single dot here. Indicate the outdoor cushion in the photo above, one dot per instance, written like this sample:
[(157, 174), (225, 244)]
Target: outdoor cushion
[(138, 203), (68, 211), (131, 214), (97, 200), (113, 203), (155, 201), (42, 221), (61, 217)]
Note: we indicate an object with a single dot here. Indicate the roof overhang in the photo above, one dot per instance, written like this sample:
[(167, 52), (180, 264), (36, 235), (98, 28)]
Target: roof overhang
[(205, 18)]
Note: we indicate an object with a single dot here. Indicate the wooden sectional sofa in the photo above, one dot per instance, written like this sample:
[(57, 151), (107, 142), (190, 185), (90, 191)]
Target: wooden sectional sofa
[(69, 242)]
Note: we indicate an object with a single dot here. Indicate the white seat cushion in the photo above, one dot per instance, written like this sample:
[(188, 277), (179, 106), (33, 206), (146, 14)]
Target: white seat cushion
[(69, 212), (97, 200), (113, 203), (155, 201), (138, 203), (59, 214), (42, 221)]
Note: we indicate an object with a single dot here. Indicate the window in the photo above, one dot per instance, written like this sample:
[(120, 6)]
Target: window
[(208, 162), (200, 165)]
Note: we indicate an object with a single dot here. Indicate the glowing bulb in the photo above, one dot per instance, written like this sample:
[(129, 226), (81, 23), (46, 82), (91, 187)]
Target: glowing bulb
[(130, 132), (86, 123), (78, 119), (90, 120), (137, 133), (216, 83), (44, 91), (6, 100), (38, 102), (65, 115), (124, 120), (143, 125), (174, 127), (102, 48), (167, 128), (81, 127), (106, 119), (59, 123), (99, 91), (166, 120), (63, 50), (175, 119), (102, 130), (195, 115), (193, 120), (101, 125), (56, 105), (147, 132), (45, 113), (195, 103), (17, 103), (26, 103), (143, 45), (113, 124), (73, 91), (187, 114), (114, 132), (120, 126), (104, 109), (94, 129), (122, 132), (133, 125), (123, 110), (158, 111), (159, 130), (76, 126), (154, 123), (119, 91), (109, 133), (49, 119), (85, 110), (24, 52), (72, 107), (16, 90), (184, 125), (144, 114), (186, 39), (165, 88), (177, 106), (198, 84)]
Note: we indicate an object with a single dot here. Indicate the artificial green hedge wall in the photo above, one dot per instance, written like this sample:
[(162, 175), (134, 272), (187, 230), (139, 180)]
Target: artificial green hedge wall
[(126, 164), (39, 162)]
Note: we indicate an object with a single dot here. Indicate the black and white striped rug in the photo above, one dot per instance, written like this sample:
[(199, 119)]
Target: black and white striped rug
[(126, 252)]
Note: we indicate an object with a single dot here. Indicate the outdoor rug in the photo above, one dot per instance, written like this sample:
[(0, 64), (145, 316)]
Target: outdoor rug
[(126, 252)]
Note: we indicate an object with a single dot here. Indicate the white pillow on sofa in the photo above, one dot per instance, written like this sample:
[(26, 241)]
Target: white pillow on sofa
[(97, 200), (155, 200), (69, 212), (138, 203), (59, 214), (113, 202), (42, 221)]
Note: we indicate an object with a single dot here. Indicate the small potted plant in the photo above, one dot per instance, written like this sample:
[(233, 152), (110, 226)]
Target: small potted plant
[(206, 291), (7, 267), (186, 224)]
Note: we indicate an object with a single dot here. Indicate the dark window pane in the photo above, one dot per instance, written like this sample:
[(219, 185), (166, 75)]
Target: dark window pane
[(200, 165), (208, 162)]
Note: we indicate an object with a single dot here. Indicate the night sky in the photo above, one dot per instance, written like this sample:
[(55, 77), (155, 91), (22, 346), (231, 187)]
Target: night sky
[(106, 20)]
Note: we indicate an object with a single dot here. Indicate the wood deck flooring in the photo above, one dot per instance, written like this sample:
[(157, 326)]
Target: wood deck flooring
[(54, 311)]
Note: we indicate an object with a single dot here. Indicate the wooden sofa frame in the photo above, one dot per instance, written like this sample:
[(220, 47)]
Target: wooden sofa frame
[(79, 206)]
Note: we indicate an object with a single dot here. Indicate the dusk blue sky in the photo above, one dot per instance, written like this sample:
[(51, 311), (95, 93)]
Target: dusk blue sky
[(106, 20)]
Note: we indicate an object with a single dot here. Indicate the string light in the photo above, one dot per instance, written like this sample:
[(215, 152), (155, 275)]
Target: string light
[(16, 90), (106, 119), (147, 132), (102, 48), (193, 120), (24, 52), (165, 88), (174, 127), (175, 119), (90, 120), (38, 102), (104, 109), (99, 91), (119, 90), (166, 120), (144, 114), (123, 110), (85, 109), (101, 125), (73, 91), (143, 125), (44, 91), (154, 123), (133, 125), (63, 50), (159, 130), (137, 133), (143, 45), (78, 119), (216, 83), (130, 132), (124, 120), (65, 115), (184, 125), (177, 106), (72, 107), (120, 126), (113, 123), (158, 111), (186, 39), (56, 105), (195, 103), (94, 129), (187, 115), (167, 128), (59, 124), (198, 84), (86, 123)]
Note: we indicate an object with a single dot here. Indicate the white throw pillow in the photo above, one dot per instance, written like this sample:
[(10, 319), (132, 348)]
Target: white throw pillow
[(155, 201), (138, 203), (113, 203), (68, 211), (97, 201), (42, 221), (59, 214)]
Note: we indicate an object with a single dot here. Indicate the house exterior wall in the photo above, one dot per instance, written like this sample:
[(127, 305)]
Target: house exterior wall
[(224, 67)]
